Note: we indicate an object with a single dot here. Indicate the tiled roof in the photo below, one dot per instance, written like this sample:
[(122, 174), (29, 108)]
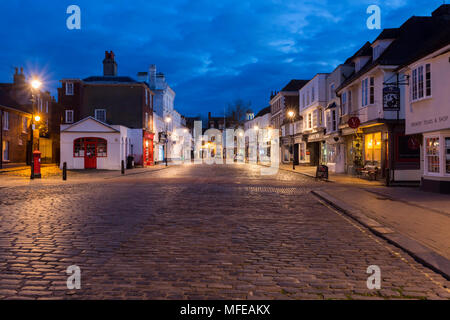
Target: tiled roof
[(431, 33), (295, 85), (263, 111)]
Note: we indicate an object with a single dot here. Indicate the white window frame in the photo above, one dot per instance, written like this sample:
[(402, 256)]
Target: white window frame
[(69, 92), (419, 83), (67, 117), (5, 120), (99, 110), (344, 104), (428, 173), (332, 91)]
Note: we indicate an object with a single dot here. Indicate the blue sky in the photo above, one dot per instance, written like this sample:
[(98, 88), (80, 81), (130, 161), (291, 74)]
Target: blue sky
[(212, 52)]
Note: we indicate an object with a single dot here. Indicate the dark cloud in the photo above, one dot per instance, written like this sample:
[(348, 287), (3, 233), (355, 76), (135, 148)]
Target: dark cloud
[(212, 52)]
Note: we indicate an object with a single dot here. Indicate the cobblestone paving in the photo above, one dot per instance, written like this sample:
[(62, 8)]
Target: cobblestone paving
[(195, 232)]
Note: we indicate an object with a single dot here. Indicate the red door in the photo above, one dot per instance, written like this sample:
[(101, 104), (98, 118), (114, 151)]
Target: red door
[(90, 158)]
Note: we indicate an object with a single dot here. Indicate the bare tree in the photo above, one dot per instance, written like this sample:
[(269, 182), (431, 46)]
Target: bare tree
[(237, 110)]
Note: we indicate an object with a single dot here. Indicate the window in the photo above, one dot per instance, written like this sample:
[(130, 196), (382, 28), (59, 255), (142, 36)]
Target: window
[(332, 93), (146, 119), (79, 146), (5, 150), (303, 99), (421, 82), (69, 88), (69, 116), (432, 155), (46, 106), (344, 103), (372, 90), (100, 115), (364, 92), (309, 120), (302, 152), (5, 120), (428, 80), (312, 94), (447, 155), (24, 125), (146, 97), (333, 119), (349, 104), (372, 147)]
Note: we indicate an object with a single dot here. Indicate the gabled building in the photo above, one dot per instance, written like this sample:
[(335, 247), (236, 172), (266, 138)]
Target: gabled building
[(427, 104), (113, 100), (380, 142), (281, 103), (313, 101)]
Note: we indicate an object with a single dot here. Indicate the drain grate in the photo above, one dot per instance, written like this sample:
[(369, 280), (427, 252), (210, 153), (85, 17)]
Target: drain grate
[(276, 190)]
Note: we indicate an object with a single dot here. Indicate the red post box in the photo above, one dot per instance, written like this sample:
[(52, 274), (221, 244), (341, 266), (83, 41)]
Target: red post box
[(37, 163)]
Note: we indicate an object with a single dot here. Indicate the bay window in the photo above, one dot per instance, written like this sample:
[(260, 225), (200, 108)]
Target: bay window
[(421, 82)]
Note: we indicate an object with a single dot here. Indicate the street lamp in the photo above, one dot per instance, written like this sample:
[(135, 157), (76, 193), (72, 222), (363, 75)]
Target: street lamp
[(35, 84), (167, 120), (291, 115)]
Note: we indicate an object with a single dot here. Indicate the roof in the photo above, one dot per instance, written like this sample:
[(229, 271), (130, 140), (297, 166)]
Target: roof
[(389, 33), (295, 85), (431, 32), (110, 79), (89, 118), (263, 111)]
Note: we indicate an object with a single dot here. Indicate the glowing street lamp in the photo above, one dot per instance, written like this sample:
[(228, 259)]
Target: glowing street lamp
[(35, 85), (291, 115)]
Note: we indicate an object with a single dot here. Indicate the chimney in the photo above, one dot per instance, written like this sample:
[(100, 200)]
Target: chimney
[(109, 64), (142, 76), (152, 76), (209, 115), (19, 78)]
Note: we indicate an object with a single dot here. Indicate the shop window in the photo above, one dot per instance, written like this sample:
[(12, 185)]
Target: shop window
[(5, 150), (447, 155), (432, 155), (372, 147), (408, 148), (79, 146), (331, 153), (302, 152)]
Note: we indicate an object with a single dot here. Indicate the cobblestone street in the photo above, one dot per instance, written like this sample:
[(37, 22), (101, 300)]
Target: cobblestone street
[(195, 232)]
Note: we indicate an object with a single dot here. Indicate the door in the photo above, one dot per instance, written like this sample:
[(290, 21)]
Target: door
[(90, 158), (296, 162)]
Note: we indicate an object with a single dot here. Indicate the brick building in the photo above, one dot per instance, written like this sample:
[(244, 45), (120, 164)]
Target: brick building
[(113, 100), (17, 110)]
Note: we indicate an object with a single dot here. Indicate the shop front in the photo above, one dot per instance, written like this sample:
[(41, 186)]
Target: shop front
[(91, 144), (148, 159), (315, 148), (333, 153), (436, 164)]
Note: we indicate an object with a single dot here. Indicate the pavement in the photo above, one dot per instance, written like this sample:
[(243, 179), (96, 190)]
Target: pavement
[(416, 221), (195, 232)]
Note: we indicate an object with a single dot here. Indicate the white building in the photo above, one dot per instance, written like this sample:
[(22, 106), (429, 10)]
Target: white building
[(260, 123), (428, 113), (313, 101), (92, 144)]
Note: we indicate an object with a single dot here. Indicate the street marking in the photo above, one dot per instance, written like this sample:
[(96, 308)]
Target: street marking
[(372, 236)]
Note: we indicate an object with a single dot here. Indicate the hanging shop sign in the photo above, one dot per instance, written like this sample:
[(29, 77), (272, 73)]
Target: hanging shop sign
[(354, 122), (391, 98)]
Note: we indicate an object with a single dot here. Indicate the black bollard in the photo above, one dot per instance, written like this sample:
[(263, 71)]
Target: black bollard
[(64, 171), (123, 167)]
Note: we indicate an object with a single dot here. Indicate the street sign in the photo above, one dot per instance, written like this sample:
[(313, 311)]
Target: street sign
[(391, 98), (354, 122)]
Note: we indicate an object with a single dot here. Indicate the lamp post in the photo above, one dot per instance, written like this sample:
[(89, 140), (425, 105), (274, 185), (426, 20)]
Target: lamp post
[(291, 115), (167, 120), (35, 85)]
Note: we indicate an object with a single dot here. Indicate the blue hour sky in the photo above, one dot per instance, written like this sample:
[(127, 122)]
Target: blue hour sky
[(212, 52)]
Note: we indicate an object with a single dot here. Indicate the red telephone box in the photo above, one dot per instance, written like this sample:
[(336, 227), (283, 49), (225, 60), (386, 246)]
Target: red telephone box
[(37, 163)]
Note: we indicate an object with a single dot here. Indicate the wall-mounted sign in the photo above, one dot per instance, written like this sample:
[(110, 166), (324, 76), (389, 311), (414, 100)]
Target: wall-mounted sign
[(354, 122), (391, 98)]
